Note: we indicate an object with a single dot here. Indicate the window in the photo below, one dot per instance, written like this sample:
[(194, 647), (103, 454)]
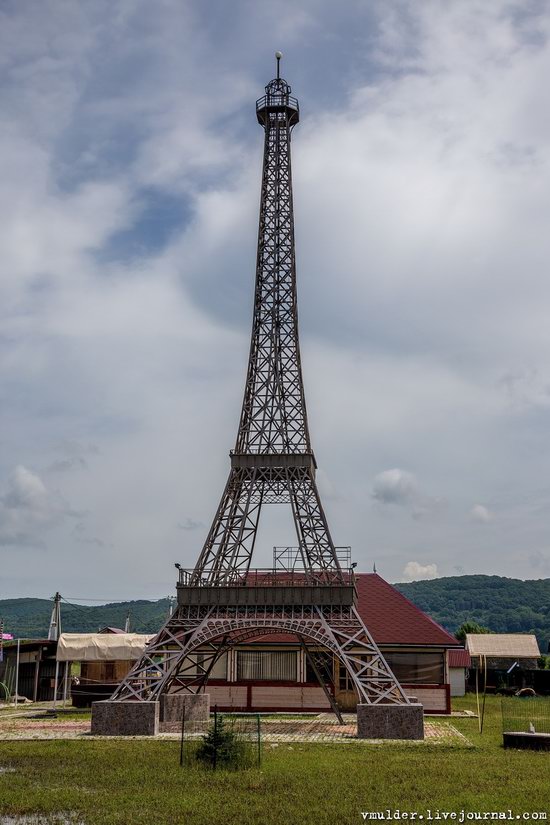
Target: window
[(199, 661), (417, 668), (345, 681), (323, 661), (109, 671), (267, 665)]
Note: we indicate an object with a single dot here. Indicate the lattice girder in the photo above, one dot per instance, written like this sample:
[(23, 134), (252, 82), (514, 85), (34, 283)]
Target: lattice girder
[(340, 631)]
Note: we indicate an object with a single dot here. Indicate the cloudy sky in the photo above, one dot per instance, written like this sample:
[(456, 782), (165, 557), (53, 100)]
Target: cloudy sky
[(130, 171)]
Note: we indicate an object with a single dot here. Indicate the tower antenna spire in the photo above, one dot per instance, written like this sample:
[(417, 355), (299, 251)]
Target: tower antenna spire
[(278, 55)]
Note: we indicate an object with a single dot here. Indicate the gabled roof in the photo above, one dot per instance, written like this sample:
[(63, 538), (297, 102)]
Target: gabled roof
[(459, 658), (393, 619), (389, 615), (516, 645), (26, 645)]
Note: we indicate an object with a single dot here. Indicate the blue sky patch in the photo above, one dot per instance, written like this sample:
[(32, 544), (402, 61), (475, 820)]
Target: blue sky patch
[(161, 216)]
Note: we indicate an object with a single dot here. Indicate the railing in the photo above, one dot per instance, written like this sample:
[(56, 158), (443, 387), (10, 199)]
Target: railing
[(270, 577), (277, 100), (286, 558)]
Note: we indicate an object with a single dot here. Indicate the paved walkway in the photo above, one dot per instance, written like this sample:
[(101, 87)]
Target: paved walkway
[(436, 732), (275, 729)]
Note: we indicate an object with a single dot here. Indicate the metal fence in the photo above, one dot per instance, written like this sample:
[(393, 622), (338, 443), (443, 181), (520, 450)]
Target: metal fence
[(229, 741), (526, 714)]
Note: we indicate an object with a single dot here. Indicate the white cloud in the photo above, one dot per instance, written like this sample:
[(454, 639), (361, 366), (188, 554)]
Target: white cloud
[(26, 491), (421, 170), (481, 514), (394, 487), (415, 571), (28, 508)]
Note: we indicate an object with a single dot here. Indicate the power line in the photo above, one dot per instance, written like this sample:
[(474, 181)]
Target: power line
[(113, 601)]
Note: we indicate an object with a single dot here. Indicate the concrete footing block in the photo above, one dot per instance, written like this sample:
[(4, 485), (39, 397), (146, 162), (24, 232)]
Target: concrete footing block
[(173, 705), (524, 740), (125, 718), (385, 721), (196, 706)]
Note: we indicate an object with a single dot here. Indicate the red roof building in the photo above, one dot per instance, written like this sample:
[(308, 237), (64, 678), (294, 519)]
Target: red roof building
[(272, 672), (459, 658), (393, 619)]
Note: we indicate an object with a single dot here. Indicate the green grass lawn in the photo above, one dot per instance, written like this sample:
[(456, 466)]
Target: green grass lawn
[(140, 782)]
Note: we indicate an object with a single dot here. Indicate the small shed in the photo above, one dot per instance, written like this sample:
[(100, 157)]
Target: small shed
[(500, 650), (36, 668), (458, 662)]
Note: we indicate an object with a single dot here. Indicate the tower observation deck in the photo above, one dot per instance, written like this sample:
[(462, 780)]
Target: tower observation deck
[(277, 104)]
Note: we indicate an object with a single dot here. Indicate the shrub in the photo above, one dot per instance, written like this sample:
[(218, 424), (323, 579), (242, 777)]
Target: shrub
[(220, 747)]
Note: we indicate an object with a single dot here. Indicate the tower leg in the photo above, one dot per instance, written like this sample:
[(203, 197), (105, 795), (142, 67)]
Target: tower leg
[(370, 674), (229, 545), (331, 700), (314, 539)]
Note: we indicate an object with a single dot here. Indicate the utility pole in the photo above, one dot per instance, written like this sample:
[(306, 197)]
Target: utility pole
[(53, 636), (55, 622), (17, 659)]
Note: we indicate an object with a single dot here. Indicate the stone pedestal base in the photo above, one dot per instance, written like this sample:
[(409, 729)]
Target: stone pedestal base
[(125, 718), (390, 722), (172, 706)]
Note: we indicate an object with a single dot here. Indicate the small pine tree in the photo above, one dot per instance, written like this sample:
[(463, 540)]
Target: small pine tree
[(220, 747)]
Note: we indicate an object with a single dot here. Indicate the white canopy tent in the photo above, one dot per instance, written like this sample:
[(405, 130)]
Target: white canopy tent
[(101, 647), (96, 647)]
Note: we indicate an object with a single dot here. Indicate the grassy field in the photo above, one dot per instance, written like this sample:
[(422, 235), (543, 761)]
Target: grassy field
[(140, 782)]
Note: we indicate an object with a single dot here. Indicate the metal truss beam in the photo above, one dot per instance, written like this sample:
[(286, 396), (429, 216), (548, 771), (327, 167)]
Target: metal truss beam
[(169, 656)]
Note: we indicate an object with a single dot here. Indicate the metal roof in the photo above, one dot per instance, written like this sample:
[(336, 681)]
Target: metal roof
[(459, 658), (505, 645), (389, 615)]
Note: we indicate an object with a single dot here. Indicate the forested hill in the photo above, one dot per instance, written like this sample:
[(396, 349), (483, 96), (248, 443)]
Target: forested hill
[(503, 605), (30, 618)]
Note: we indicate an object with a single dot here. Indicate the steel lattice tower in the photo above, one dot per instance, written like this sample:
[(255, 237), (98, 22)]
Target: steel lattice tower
[(223, 602)]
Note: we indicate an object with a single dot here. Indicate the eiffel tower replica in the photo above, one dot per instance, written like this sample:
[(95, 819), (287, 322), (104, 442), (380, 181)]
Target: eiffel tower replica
[(222, 601)]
